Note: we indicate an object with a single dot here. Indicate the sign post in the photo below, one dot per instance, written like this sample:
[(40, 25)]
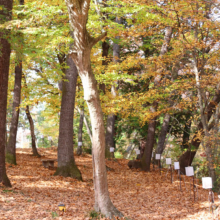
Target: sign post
[(207, 184), (190, 172), (177, 167), (169, 162), (157, 157)]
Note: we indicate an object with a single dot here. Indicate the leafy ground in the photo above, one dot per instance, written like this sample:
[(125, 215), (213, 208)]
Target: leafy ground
[(36, 193)]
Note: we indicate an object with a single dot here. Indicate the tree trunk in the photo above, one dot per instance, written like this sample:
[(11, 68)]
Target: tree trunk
[(66, 162), (109, 136), (163, 134), (187, 158), (11, 146), (146, 159), (4, 71), (79, 148), (87, 125), (83, 43), (186, 135), (33, 138)]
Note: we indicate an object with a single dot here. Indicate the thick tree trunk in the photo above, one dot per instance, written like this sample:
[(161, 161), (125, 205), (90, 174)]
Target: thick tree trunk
[(33, 138), (11, 146), (66, 162), (146, 159), (80, 131), (4, 71), (163, 134)]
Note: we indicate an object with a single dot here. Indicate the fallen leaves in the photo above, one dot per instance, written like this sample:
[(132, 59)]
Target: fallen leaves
[(36, 193)]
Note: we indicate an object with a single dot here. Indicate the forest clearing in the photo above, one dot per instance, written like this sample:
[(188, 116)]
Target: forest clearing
[(36, 193), (105, 105)]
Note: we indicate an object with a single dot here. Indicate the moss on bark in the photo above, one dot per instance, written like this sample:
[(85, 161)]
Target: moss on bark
[(70, 170), (10, 158)]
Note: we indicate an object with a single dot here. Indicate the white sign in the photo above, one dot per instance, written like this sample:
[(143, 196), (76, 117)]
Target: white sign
[(168, 160), (79, 144), (152, 154), (138, 152), (189, 171), (157, 156), (207, 182), (176, 165), (161, 157), (112, 149)]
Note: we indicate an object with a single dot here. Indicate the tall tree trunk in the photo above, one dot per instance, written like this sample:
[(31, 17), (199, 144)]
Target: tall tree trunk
[(149, 144), (11, 146), (80, 131), (163, 134), (33, 138), (4, 71), (83, 43), (66, 162), (110, 126)]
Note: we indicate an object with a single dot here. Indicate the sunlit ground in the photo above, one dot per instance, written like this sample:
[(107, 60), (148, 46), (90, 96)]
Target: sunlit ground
[(36, 193)]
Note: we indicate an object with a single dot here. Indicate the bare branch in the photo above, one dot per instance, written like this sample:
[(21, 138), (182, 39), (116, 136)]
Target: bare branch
[(96, 40)]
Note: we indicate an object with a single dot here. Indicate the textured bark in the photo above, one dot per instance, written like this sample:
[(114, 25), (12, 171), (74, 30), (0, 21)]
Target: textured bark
[(146, 159), (80, 131), (83, 43), (163, 133), (4, 71), (11, 146), (33, 138), (66, 161)]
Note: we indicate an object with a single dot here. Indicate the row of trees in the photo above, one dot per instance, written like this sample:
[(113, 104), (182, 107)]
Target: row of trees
[(147, 70)]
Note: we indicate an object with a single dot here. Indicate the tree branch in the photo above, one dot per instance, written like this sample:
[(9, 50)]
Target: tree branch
[(96, 40)]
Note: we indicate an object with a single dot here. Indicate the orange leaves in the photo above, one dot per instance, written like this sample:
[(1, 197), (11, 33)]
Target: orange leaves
[(36, 193)]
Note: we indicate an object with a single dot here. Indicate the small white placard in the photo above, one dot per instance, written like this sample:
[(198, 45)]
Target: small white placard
[(80, 144), (168, 161), (138, 152), (161, 158), (152, 154), (207, 182), (189, 171), (112, 149), (157, 156), (176, 165)]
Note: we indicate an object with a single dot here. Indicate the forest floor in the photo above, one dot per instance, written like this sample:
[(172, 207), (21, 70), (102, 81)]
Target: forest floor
[(36, 193)]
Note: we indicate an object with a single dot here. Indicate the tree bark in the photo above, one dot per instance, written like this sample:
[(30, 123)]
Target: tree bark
[(83, 43), (80, 131), (33, 138), (146, 159), (163, 133), (4, 72), (66, 162), (11, 146)]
